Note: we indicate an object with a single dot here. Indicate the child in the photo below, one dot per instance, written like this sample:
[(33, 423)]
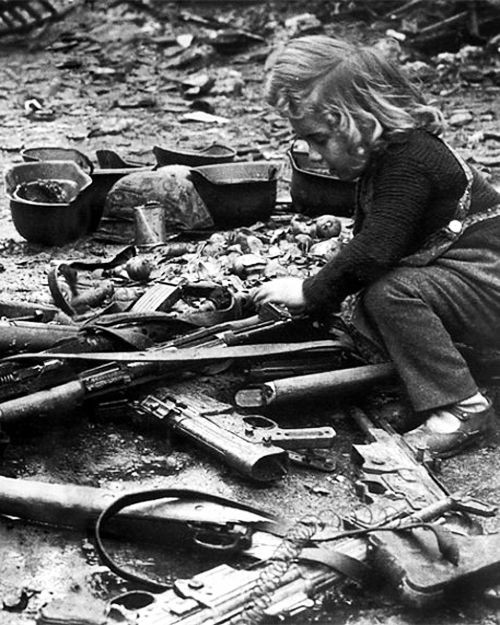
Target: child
[(425, 255)]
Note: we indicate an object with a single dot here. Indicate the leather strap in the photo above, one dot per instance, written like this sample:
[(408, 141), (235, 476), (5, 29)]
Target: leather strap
[(54, 275), (187, 354), (344, 564), (153, 495), (341, 562), (55, 290)]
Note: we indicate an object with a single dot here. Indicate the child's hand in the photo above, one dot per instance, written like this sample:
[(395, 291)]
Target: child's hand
[(286, 291)]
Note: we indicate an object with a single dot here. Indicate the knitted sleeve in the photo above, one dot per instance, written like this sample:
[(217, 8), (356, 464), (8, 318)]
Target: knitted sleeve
[(402, 187)]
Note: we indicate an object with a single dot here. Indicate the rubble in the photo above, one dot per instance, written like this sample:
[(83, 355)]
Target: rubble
[(125, 84)]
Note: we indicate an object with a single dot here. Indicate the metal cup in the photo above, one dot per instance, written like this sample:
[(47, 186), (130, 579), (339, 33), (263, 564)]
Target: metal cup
[(150, 225)]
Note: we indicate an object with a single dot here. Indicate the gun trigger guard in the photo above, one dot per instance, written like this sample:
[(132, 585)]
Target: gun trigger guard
[(221, 540)]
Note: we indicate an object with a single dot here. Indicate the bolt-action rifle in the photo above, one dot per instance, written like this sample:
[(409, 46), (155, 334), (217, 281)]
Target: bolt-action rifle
[(108, 332), (50, 371), (183, 515)]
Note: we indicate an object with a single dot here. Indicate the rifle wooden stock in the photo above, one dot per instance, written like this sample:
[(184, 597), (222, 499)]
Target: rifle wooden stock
[(78, 507), (70, 395), (18, 336), (315, 385), (52, 401)]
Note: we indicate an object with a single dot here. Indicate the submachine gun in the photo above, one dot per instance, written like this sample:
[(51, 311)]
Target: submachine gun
[(411, 531)]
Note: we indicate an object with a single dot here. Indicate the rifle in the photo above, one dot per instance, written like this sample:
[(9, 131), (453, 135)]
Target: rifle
[(18, 335), (130, 369), (53, 373), (405, 497), (133, 330), (180, 514)]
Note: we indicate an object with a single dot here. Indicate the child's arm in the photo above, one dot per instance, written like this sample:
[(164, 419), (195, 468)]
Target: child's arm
[(392, 230), (386, 236)]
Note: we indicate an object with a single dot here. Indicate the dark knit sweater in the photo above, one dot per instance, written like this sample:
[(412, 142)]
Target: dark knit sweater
[(408, 191)]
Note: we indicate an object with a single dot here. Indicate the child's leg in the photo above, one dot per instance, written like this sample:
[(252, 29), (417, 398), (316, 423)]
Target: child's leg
[(419, 313)]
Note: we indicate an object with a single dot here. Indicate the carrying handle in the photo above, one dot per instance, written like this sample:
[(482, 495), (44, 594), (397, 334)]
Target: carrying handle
[(85, 163)]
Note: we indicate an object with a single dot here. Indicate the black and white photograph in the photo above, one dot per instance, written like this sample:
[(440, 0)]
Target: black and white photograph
[(249, 312)]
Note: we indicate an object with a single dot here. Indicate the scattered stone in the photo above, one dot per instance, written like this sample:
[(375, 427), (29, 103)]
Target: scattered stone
[(488, 159), (420, 70), (204, 118), (11, 144), (472, 73), (318, 490), (185, 40), (112, 126), (460, 118), (198, 84), (229, 82), (306, 23), (194, 56)]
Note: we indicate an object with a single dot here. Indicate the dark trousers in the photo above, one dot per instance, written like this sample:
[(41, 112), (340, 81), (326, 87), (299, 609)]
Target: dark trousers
[(418, 314)]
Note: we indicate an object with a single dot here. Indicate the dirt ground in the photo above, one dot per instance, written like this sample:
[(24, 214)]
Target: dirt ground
[(104, 78)]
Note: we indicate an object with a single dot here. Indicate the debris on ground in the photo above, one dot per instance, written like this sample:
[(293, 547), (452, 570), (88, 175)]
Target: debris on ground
[(128, 335)]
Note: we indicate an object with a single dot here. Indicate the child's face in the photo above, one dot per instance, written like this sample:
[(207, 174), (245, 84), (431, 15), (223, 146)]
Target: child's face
[(331, 145)]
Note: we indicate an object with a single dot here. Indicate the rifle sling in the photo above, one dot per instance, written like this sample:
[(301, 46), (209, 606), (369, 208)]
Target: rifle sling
[(341, 562), (153, 495), (344, 564), (188, 354)]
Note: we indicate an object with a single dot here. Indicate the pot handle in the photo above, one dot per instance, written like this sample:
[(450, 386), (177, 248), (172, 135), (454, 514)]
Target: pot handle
[(194, 174), (273, 172), (87, 165), (109, 159)]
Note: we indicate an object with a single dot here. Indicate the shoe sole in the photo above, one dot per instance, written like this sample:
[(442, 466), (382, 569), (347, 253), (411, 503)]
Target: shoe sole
[(472, 440)]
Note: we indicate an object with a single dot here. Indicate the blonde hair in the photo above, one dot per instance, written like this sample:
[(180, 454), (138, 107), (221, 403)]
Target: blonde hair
[(354, 88)]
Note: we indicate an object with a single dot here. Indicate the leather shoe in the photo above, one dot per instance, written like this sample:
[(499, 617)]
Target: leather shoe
[(474, 426)]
